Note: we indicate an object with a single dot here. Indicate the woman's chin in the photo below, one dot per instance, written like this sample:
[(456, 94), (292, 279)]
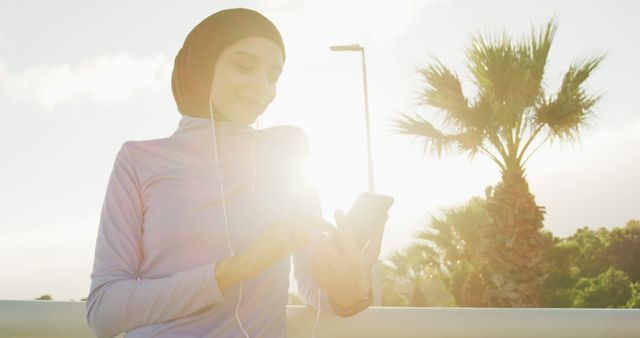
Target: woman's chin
[(250, 116), (245, 115), (247, 118)]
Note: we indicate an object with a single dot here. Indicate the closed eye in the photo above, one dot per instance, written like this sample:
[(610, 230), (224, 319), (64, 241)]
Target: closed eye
[(243, 67)]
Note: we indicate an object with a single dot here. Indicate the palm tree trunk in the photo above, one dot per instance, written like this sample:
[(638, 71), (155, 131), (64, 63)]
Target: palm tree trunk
[(513, 244), (474, 292), (418, 298)]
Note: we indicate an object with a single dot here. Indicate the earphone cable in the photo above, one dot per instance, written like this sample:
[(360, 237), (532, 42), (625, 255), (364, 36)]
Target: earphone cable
[(226, 219)]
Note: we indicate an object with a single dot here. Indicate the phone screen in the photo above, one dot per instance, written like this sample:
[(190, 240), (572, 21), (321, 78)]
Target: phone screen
[(367, 215)]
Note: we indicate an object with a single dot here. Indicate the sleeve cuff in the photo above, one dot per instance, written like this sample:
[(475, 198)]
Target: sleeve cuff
[(354, 309), (209, 284)]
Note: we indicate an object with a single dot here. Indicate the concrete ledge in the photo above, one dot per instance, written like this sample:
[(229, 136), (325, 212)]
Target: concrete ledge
[(54, 319)]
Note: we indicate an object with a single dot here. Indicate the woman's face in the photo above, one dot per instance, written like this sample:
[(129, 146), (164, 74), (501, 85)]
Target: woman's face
[(245, 79)]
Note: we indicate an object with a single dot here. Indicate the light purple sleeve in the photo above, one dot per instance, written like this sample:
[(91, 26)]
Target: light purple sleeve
[(118, 300)]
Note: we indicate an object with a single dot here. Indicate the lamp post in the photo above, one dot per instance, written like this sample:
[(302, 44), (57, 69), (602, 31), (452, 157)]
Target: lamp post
[(358, 48)]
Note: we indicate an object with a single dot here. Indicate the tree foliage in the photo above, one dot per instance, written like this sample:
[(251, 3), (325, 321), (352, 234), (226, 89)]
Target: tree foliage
[(583, 270), (44, 297), (624, 249), (456, 237), (610, 289), (588, 268), (409, 278)]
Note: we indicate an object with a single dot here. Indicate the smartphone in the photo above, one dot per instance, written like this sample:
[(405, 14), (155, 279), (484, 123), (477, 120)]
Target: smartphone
[(367, 215)]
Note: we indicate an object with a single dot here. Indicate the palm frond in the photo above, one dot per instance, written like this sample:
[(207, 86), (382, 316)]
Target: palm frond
[(435, 141), (509, 76), (470, 142), (481, 113), (421, 254), (501, 72), (399, 263), (570, 109), (444, 92), (538, 51)]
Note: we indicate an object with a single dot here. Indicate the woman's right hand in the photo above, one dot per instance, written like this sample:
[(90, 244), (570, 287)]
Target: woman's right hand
[(276, 242)]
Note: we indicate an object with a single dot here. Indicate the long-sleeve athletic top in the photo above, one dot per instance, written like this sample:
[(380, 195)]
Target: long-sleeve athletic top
[(162, 231)]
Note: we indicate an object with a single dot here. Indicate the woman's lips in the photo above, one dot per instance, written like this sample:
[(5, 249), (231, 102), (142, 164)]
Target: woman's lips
[(252, 102)]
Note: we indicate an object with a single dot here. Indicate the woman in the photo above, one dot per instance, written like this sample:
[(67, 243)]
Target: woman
[(197, 229)]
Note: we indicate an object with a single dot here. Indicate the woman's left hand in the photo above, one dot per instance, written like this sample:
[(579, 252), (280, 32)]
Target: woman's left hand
[(345, 272)]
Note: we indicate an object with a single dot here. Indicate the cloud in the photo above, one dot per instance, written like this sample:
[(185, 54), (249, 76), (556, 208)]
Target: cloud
[(101, 78)]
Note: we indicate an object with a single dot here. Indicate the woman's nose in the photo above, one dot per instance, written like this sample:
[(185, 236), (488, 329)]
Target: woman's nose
[(260, 83)]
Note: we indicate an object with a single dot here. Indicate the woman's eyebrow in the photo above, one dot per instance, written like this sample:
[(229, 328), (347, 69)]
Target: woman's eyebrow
[(254, 56), (246, 54)]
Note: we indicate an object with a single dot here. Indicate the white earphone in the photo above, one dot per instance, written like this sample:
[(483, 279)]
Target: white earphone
[(224, 206)]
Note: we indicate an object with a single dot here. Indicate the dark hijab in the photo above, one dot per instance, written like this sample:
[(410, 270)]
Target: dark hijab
[(194, 65)]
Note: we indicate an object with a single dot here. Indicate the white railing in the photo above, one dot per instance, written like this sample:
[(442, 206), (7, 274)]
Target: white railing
[(53, 319)]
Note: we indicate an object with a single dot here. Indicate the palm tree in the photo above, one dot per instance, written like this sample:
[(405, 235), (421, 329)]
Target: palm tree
[(511, 111), (455, 237), (412, 266)]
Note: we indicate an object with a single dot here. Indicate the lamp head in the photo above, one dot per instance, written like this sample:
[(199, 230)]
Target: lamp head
[(347, 48)]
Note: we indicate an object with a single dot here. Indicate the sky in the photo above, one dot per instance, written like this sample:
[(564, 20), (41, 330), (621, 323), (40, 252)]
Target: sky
[(79, 78)]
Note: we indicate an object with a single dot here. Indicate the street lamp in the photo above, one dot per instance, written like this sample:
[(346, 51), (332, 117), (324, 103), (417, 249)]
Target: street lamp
[(358, 48)]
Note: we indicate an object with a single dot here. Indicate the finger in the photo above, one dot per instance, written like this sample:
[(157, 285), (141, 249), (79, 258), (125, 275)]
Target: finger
[(315, 260), (370, 253), (372, 250), (344, 228), (349, 248), (302, 238), (326, 250), (341, 219), (320, 244), (344, 233), (320, 224), (299, 237), (329, 253), (376, 239), (326, 257), (318, 248), (330, 265)]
